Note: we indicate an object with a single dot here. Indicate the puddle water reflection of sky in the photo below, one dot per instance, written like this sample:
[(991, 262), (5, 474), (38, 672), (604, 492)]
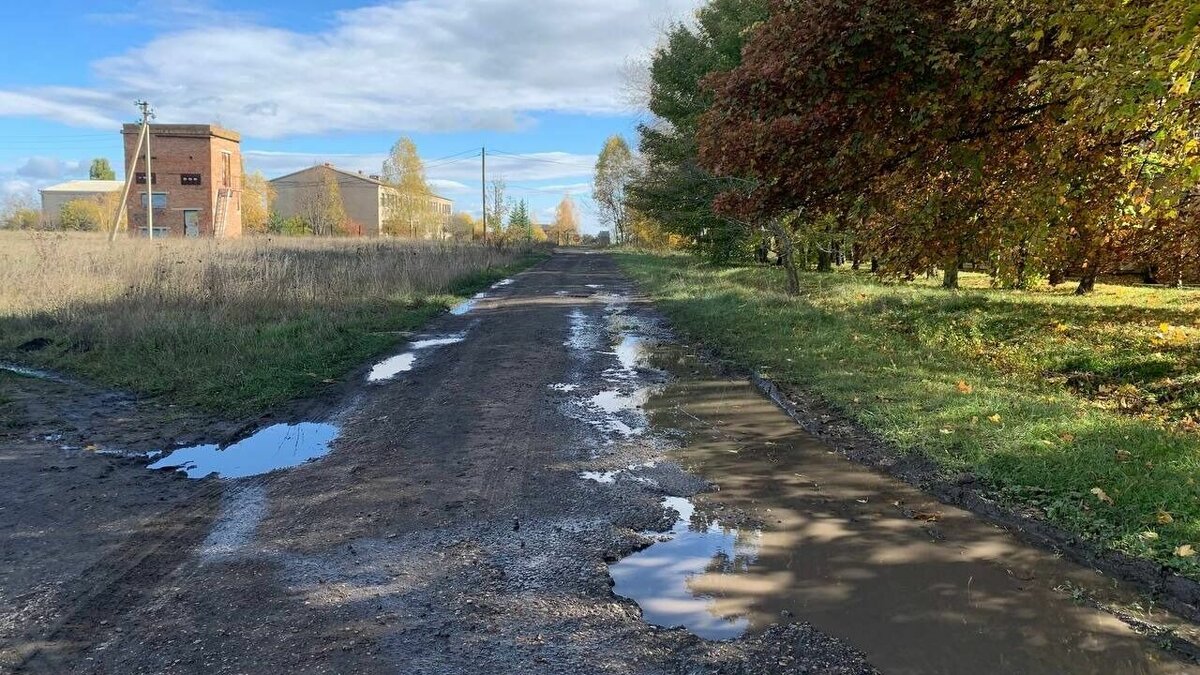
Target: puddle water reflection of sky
[(660, 578), (282, 446)]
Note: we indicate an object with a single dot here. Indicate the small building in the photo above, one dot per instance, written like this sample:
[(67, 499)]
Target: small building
[(57, 196), (196, 181), (369, 202)]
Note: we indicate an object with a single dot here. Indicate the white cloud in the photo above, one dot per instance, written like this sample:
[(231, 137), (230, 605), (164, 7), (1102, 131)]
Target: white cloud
[(427, 65), (448, 186)]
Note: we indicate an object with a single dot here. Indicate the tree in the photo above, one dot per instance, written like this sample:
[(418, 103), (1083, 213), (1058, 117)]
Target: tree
[(462, 226), (101, 170), (18, 213), (616, 169), (321, 206), (258, 197), (83, 215), (412, 213), (565, 228), (496, 208), (674, 190), (520, 223)]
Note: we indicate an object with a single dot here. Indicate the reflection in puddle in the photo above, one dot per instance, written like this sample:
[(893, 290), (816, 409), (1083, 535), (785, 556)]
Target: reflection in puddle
[(919, 586), (661, 578), (389, 368), (600, 476), (402, 363), (282, 446), (29, 372)]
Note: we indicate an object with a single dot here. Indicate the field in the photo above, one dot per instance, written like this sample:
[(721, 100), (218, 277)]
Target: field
[(1083, 408), (234, 327)]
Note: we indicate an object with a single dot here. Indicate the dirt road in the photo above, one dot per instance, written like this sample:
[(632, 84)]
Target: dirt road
[(475, 498)]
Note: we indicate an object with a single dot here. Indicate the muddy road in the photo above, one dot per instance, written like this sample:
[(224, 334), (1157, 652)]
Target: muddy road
[(542, 481)]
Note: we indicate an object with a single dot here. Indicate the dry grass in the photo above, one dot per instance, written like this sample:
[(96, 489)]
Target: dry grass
[(174, 316)]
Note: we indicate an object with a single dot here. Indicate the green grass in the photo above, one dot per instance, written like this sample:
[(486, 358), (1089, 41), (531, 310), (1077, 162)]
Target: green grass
[(236, 365), (1043, 395)]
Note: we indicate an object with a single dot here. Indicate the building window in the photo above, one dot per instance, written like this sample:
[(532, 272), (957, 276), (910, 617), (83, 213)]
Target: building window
[(159, 232), (190, 179), (140, 178), (160, 200)]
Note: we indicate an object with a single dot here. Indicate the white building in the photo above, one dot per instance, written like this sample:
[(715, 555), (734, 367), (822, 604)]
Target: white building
[(55, 196)]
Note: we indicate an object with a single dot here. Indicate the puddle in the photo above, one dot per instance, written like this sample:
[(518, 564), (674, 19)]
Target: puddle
[(389, 368), (282, 446), (920, 587), (503, 282), (402, 363), (30, 372), (671, 580), (600, 476), (564, 387)]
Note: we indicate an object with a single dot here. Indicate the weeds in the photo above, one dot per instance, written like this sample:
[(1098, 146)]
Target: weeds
[(231, 326)]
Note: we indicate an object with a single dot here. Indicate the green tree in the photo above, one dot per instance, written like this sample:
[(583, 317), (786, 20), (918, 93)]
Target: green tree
[(412, 212), (674, 190), (101, 170), (520, 223), (616, 169)]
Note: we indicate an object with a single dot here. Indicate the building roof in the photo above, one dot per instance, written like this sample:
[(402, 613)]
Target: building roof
[(93, 186), (360, 176), (185, 130)]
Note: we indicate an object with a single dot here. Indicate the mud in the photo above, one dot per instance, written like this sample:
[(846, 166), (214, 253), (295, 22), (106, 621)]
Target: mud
[(796, 530), (470, 512)]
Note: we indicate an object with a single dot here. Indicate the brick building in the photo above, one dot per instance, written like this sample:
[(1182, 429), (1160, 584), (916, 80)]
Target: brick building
[(196, 181)]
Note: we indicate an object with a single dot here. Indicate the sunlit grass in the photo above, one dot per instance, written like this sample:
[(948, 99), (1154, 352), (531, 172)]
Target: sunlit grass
[(1043, 395), (231, 326)]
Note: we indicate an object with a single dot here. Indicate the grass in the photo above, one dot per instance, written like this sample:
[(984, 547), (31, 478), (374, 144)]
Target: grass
[(233, 327), (1083, 408)]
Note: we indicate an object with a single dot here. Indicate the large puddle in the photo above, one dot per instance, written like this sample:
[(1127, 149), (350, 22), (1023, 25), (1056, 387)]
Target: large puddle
[(281, 446), (918, 586)]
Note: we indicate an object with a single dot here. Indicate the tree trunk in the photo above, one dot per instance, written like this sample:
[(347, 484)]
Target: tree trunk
[(874, 265), (824, 260), (950, 277), (1150, 274), (1057, 276), (1087, 283), (783, 240), (1022, 282), (855, 257)]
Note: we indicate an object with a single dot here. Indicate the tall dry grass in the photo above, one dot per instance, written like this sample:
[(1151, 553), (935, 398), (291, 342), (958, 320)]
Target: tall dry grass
[(152, 315)]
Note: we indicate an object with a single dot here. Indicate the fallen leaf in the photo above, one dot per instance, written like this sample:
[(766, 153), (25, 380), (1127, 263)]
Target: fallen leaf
[(1124, 456), (1164, 518), (1067, 438), (995, 419), (1149, 535), (1102, 495), (964, 387), (945, 432), (1185, 551)]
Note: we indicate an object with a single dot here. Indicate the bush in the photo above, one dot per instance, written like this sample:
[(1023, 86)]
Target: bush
[(82, 215)]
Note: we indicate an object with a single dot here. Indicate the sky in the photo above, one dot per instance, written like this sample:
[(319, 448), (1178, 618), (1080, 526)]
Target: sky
[(540, 83)]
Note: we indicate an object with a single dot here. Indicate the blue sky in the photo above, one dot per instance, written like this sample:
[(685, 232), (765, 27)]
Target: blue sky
[(541, 83)]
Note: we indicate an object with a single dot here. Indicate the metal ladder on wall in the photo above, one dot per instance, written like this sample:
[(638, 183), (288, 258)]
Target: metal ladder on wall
[(221, 217)]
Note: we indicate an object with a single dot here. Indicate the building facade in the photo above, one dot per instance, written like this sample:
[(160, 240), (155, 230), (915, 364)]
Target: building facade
[(195, 184), (57, 196), (370, 204)]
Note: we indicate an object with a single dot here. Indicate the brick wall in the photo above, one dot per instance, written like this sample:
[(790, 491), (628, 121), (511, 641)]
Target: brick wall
[(178, 151)]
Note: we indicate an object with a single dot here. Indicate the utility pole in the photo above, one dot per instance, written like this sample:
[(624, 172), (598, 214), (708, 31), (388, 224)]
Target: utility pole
[(483, 190), (147, 115)]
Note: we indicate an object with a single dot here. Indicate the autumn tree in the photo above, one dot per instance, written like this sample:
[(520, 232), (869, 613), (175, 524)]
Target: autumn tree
[(462, 226), (616, 169), (258, 198), (496, 208), (321, 205), (83, 215), (674, 190), (565, 228), (413, 213)]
